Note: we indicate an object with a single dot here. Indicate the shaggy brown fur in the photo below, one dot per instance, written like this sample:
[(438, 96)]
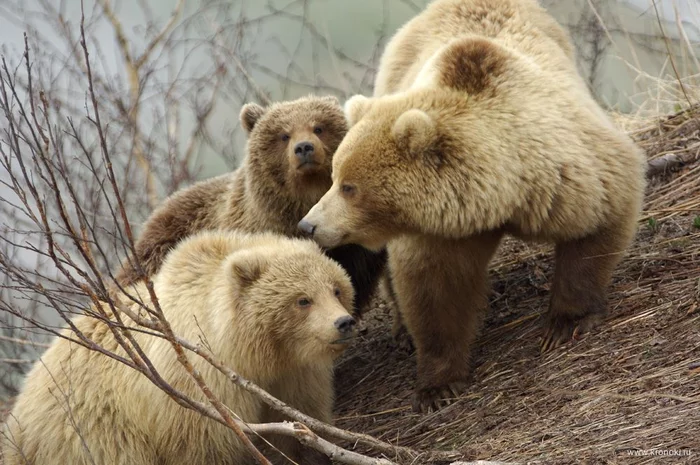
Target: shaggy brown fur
[(488, 129), (242, 294), (414, 43), (272, 191)]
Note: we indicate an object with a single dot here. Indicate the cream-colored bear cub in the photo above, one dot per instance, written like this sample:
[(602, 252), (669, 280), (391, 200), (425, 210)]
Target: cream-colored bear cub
[(275, 310), (481, 126)]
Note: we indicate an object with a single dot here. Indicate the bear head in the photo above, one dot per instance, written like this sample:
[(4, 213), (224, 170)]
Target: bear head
[(406, 164), (291, 146), (293, 300), (378, 174)]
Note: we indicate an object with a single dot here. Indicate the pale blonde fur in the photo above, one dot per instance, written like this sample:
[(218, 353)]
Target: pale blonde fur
[(236, 292), (503, 136)]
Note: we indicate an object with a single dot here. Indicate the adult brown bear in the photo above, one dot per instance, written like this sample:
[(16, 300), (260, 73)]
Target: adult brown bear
[(481, 126)]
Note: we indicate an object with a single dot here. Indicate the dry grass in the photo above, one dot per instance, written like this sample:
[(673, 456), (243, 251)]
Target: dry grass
[(633, 384)]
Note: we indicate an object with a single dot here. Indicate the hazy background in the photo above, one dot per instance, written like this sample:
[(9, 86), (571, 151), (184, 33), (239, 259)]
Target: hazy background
[(284, 45)]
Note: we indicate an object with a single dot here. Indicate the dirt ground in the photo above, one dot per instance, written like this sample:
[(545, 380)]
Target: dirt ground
[(631, 387)]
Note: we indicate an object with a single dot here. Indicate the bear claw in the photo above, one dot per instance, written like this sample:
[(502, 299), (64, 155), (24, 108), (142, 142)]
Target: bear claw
[(562, 329), (432, 399)]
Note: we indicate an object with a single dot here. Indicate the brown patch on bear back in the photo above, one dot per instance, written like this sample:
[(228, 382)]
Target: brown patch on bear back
[(471, 65)]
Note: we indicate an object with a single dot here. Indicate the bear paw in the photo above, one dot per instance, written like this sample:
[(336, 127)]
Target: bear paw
[(432, 399), (563, 328)]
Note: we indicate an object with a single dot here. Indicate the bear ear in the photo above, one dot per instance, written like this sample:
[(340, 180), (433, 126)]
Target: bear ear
[(472, 65), (356, 107), (414, 131), (246, 267), (250, 114)]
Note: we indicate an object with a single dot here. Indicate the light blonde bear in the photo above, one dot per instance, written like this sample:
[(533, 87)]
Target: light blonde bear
[(481, 126), (275, 310)]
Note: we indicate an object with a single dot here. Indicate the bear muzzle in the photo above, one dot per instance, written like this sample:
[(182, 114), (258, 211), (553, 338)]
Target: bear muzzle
[(306, 228), (315, 225), (346, 329), (309, 160)]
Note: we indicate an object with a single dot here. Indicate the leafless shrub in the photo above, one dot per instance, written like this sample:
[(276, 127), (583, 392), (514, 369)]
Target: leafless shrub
[(74, 174), (166, 114)]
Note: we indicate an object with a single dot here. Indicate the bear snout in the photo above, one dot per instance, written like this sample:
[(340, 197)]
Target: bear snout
[(305, 151), (345, 325), (308, 158), (306, 227)]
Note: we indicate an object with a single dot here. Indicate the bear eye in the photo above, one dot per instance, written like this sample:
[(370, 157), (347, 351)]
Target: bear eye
[(304, 302), (284, 137), (336, 291), (318, 130), (347, 189)]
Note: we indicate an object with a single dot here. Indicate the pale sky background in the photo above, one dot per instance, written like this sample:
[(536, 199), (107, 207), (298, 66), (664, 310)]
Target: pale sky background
[(689, 11), (353, 25)]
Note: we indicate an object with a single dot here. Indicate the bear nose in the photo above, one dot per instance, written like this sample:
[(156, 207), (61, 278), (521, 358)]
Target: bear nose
[(345, 324), (304, 150), (306, 227)]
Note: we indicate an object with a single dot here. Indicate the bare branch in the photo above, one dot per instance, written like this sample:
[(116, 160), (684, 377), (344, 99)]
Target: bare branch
[(16, 340), (307, 437), (156, 41), (316, 425)]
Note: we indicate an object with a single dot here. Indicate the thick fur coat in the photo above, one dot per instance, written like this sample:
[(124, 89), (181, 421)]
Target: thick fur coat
[(275, 310), (481, 125)]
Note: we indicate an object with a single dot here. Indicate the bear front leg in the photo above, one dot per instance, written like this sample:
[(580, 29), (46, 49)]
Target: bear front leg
[(309, 390), (583, 271), (398, 329), (399, 332), (442, 289)]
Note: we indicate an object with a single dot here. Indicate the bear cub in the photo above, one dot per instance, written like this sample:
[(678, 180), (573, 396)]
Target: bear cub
[(274, 309), (287, 169)]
